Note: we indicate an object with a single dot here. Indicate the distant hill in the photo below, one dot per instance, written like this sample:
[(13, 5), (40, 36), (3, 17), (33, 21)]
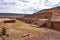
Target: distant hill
[(11, 15)]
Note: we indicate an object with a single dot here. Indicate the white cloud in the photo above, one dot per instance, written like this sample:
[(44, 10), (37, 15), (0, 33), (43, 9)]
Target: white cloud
[(27, 6), (52, 2)]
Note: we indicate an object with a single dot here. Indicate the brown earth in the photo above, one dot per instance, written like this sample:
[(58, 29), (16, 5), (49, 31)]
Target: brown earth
[(44, 35), (23, 31)]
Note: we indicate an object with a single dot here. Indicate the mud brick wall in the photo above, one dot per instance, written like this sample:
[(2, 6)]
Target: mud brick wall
[(9, 21), (28, 20), (56, 25), (42, 15)]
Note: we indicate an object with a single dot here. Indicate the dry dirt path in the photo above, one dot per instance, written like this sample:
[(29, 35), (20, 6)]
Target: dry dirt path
[(23, 31)]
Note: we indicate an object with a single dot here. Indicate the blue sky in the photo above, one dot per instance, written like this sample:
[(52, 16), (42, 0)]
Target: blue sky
[(26, 6)]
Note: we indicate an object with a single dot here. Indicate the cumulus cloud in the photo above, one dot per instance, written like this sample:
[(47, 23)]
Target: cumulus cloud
[(26, 6)]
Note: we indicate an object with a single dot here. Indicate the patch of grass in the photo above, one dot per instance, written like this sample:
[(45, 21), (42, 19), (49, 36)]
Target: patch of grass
[(14, 36), (21, 27)]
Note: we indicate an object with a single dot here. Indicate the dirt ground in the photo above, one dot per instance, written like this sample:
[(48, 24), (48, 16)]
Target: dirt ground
[(44, 34), (23, 31)]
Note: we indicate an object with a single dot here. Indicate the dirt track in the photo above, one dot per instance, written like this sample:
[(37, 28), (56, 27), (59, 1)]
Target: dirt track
[(45, 35)]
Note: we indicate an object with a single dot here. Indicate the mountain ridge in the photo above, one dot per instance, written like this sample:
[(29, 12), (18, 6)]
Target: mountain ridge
[(49, 10), (42, 13)]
